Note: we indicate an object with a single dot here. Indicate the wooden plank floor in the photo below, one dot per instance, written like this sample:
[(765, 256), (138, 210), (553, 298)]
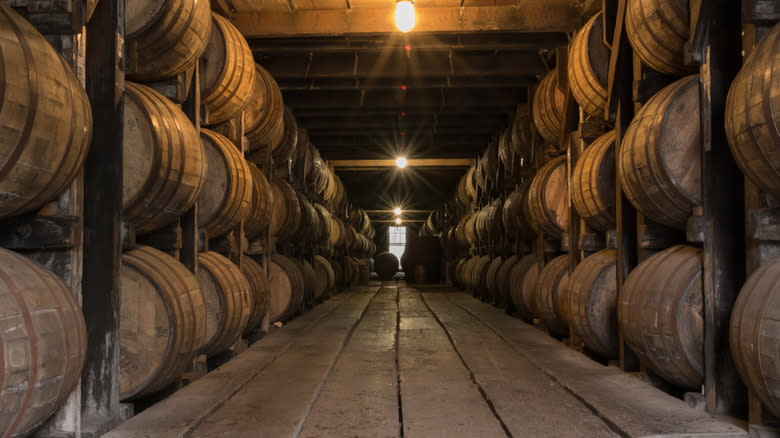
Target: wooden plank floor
[(403, 362)]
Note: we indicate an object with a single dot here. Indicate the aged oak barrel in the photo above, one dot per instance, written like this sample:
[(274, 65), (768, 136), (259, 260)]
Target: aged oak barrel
[(162, 322), (325, 277), (91, 5), (262, 204), (593, 184), (44, 340), (324, 224), (593, 303), (488, 223), (491, 286), (337, 232), (164, 165), (522, 286), (479, 276), (513, 217), (753, 115), (309, 278), (165, 38), (287, 288), (658, 31), (589, 67), (228, 301), (754, 334), (45, 117), (261, 293), (289, 141), (502, 279), (660, 315), (226, 197), (523, 133), (548, 107), (264, 114), (309, 226), (659, 165), (286, 214), (549, 290), (227, 73), (547, 206)]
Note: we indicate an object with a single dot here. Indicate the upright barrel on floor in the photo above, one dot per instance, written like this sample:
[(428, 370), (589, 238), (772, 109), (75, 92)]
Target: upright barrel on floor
[(44, 340), (45, 118), (660, 315), (162, 321), (228, 301), (163, 166)]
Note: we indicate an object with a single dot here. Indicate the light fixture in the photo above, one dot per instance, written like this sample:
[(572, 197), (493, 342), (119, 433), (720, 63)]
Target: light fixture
[(397, 211), (398, 221), (404, 15), (400, 162)]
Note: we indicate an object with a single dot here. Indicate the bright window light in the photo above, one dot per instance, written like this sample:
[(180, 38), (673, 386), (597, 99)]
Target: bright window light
[(400, 162), (404, 15), (397, 211)]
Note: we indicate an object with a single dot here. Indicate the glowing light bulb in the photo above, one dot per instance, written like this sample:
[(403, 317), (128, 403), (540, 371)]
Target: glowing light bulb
[(398, 221), (404, 15), (400, 162), (397, 211)]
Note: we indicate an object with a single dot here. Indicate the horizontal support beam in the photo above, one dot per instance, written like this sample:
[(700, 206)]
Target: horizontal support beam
[(396, 121), (412, 162), (391, 211), (523, 16), (504, 98), (404, 221), (350, 83)]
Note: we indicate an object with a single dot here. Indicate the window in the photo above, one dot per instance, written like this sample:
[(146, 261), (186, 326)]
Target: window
[(397, 239)]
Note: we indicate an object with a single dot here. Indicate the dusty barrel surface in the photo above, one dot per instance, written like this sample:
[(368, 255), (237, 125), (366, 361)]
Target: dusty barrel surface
[(264, 114), (593, 303), (258, 285), (162, 321), (325, 277), (593, 184), (386, 265), (226, 197), (753, 115), (228, 301), (44, 338), (548, 107), (262, 204), (547, 206), (658, 31), (491, 285), (589, 67), (660, 314), (45, 117), (516, 225), (754, 334), (287, 288), (164, 165), (165, 38), (286, 214), (659, 165), (227, 73), (551, 284)]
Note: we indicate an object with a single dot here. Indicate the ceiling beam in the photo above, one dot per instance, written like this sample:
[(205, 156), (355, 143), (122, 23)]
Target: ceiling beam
[(523, 16), (411, 162), (403, 221), (355, 83), (506, 98)]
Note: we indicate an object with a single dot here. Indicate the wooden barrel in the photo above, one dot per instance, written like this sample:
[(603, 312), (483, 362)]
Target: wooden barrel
[(228, 301), (325, 223), (593, 184), (227, 73), (226, 197), (470, 230), (551, 284), (286, 283), (352, 270), (660, 315), (658, 31), (502, 279), (479, 276), (264, 114), (165, 38), (506, 152), (516, 226), (262, 204), (325, 278), (45, 117), (289, 142), (523, 135), (319, 174), (164, 165), (589, 67), (753, 115), (491, 285), (488, 223), (547, 208), (754, 334), (309, 280), (337, 232), (548, 107), (310, 220), (91, 5), (162, 321), (261, 293), (286, 214), (522, 286), (593, 303), (659, 166), (364, 271), (457, 274), (44, 338), (461, 236)]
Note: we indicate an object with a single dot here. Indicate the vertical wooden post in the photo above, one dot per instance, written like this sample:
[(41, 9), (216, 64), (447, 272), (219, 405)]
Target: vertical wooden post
[(103, 216), (189, 221)]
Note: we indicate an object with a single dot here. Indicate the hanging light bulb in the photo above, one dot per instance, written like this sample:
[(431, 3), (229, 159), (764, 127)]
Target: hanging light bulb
[(404, 15), (397, 211), (400, 162), (398, 221)]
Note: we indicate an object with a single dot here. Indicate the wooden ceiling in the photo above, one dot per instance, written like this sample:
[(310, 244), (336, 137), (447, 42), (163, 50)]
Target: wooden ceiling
[(363, 90)]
